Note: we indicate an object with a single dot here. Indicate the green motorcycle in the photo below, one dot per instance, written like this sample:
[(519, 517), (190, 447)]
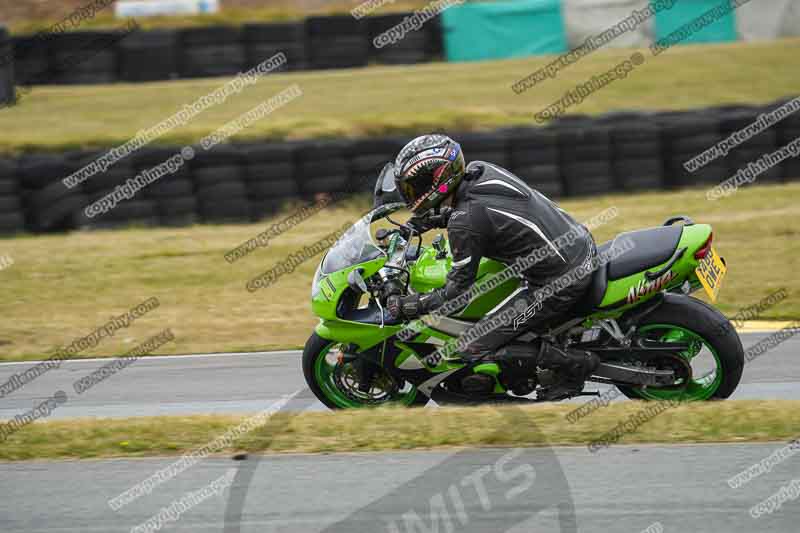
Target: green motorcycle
[(654, 340)]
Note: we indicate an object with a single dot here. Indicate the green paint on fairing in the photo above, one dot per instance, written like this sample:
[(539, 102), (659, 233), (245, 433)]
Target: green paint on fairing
[(491, 369), (331, 286), (429, 273), (407, 351), (692, 238), (324, 301)]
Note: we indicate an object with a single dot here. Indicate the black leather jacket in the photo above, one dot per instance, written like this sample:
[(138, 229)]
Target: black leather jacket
[(495, 214)]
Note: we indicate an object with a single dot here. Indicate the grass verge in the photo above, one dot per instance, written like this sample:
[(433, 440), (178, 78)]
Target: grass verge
[(61, 287), (400, 429), (403, 100)]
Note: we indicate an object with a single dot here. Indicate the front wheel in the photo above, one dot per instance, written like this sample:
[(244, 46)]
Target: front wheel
[(715, 351), (335, 383)]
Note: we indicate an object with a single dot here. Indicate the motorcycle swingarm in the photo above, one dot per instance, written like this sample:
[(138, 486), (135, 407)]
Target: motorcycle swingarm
[(628, 375), (641, 349)]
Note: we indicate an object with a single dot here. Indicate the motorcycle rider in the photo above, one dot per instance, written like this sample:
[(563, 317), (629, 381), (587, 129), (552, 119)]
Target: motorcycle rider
[(489, 212)]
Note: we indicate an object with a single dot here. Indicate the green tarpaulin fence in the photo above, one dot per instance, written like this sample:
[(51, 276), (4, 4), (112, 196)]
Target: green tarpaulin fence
[(683, 12), (495, 30)]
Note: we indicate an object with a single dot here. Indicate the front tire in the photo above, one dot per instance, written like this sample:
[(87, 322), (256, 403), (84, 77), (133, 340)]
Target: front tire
[(687, 319), (324, 377)]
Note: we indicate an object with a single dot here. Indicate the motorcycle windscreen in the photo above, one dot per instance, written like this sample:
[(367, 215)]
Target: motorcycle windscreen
[(352, 248)]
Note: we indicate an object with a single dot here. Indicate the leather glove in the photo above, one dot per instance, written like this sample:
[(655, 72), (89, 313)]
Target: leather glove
[(430, 219), (407, 307)]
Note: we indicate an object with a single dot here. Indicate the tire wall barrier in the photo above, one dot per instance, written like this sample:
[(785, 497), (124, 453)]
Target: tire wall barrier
[(329, 42), (341, 41), (7, 90), (575, 156)]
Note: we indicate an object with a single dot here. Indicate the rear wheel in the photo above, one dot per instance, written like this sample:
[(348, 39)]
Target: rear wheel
[(335, 383), (715, 351)]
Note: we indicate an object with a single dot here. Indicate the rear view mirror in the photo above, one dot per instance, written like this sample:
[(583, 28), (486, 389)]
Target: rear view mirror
[(385, 188)]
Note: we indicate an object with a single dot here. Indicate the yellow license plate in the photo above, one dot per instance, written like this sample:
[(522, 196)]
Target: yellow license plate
[(710, 272)]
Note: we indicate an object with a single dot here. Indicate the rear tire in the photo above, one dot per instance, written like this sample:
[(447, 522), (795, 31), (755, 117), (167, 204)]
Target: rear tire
[(317, 348), (687, 314)]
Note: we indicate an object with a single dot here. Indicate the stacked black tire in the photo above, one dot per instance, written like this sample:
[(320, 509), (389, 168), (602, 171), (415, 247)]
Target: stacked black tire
[(412, 48), (96, 187), (327, 42), (735, 119), (172, 199), (12, 217), (684, 135), (247, 182), (585, 157), (219, 181), (322, 167), (486, 146), (211, 51), (31, 60), (49, 204), (263, 41), (789, 131), (81, 57), (336, 42), (367, 158), (635, 151), (149, 56), (84, 57), (270, 177), (7, 84), (535, 158), (141, 210)]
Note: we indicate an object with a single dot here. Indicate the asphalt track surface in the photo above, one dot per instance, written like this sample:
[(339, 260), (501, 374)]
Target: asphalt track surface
[(621, 489), (248, 383)]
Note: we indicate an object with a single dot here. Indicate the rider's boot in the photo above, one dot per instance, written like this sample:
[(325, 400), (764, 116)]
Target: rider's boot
[(573, 365)]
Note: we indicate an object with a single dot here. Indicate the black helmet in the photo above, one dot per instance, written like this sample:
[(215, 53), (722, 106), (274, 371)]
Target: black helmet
[(428, 170)]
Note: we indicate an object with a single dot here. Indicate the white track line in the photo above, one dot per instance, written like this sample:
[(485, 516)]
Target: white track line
[(226, 354), (160, 357)]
